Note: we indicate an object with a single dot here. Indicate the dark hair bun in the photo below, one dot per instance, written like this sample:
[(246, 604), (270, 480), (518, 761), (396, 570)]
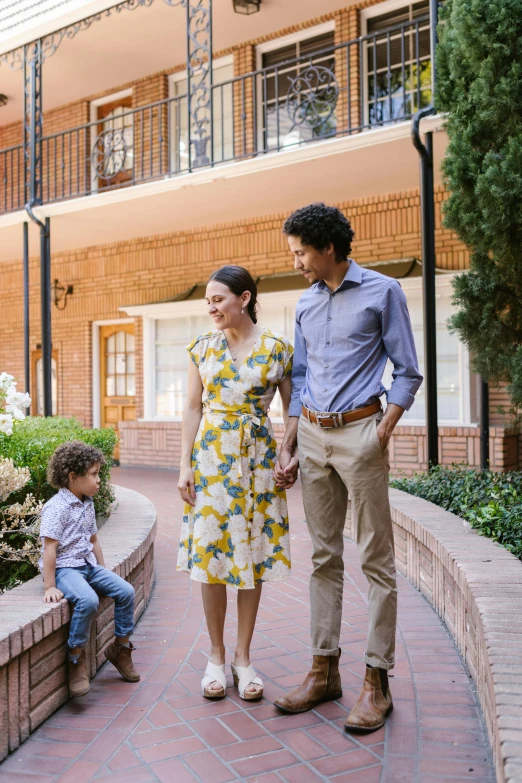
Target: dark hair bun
[(239, 280)]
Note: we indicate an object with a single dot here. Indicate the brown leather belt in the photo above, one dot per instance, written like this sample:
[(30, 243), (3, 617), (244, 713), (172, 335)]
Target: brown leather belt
[(329, 420)]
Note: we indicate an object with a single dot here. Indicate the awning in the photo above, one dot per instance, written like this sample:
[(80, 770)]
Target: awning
[(291, 281)]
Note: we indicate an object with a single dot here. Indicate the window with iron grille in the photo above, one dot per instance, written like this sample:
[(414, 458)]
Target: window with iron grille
[(298, 92), (398, 63)]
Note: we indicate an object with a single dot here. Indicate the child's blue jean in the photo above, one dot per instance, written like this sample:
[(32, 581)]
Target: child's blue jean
[(82, 586)]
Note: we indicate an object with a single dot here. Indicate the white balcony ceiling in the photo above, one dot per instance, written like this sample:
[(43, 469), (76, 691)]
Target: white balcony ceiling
[(130, 45)]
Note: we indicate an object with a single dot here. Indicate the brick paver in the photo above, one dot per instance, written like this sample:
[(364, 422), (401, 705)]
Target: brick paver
[(162, 729)]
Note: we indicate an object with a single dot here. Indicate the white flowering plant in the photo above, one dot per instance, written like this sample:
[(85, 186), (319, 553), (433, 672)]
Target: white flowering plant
[(19, 521), (13, 403)]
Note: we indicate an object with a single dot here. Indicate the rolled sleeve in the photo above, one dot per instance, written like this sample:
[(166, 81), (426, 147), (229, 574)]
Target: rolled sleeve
[(397, 336), (298, 371)]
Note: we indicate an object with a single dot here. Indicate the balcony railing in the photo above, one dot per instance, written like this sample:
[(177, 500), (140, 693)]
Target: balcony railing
[(369, 82)]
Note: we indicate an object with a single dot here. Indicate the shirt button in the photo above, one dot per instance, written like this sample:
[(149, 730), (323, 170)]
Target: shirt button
[(328, 342), (251, 494), (328, 319), (327, 366), (326, 389)]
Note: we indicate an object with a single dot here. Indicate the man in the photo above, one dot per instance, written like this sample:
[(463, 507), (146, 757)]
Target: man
[(348, 324)]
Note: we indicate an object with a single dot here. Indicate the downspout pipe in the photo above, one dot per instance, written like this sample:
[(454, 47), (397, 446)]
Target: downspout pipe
[(45, 294), (27, 337), (427, 199), (428, 283)]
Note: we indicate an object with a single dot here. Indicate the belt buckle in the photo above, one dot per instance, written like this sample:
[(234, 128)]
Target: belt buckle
[(337, 419)]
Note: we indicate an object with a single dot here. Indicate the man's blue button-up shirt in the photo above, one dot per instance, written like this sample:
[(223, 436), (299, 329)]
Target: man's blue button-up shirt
[(343, 339)]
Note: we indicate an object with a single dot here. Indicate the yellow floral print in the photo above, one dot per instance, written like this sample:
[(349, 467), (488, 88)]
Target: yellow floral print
[(237, 533)]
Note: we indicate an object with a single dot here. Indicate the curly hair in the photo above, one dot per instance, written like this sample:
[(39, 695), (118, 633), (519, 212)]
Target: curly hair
[(319, 226), (72, 457)]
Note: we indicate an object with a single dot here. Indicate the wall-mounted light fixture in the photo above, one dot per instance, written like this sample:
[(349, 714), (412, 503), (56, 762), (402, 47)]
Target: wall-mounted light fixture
[(246, 6), (3, 99), (60, 293)]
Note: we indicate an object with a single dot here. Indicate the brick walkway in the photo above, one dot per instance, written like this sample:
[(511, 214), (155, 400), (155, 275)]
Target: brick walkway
[(162, 729)]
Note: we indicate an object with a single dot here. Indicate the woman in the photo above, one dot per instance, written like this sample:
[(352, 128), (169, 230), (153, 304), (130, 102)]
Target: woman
[(235, 527)]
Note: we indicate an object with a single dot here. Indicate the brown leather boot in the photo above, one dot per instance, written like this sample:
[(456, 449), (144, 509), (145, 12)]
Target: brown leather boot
[(322, 683), (121, 657), (372, 707), (78, 678)]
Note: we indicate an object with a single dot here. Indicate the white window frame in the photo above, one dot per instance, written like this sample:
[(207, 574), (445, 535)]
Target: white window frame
[(443, 285), (93, 115), (379, 9), (150, 314), (178, 76), (280, 43), (275, 301)]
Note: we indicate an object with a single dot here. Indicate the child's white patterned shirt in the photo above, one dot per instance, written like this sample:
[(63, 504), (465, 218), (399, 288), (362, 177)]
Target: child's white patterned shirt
[(72, 522)]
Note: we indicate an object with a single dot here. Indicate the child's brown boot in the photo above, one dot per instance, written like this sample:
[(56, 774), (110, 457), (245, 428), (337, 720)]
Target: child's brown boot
[(121, 657), (78, 678)]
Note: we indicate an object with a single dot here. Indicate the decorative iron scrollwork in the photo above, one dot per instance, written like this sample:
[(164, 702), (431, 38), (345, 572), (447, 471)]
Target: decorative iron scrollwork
[(109, 153), (199, 71), (312, 97), (51, 42)]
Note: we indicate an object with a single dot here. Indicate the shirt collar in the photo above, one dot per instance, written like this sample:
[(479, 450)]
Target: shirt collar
[(353, 276), (71, 498)]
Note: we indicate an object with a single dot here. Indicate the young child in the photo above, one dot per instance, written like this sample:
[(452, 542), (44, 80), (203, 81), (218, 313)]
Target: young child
[(72, 561)]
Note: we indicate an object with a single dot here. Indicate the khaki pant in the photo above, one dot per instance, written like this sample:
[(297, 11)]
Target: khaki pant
[(335, 462)]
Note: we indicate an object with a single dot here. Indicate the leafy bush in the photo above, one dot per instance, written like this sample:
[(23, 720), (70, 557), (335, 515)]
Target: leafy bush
[(31, 445), (490, 502)]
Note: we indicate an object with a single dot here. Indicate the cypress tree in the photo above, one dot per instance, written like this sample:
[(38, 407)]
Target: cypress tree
[(479, 85)]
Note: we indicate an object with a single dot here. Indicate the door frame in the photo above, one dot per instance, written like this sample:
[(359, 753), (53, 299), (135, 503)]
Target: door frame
[(96, 374)]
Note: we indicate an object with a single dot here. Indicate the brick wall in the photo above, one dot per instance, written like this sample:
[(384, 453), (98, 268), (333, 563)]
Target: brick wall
[(158, 445), (151, 158), (474, 586), (107, 277), (33, 635)]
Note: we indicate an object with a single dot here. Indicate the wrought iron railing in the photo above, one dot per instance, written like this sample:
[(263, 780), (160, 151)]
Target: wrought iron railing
[(369, 82)]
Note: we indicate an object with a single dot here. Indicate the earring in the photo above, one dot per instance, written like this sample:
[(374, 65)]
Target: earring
[(242, 311)]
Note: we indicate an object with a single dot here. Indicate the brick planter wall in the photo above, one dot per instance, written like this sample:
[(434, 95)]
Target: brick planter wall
[(33, 635), (475, 586), (158, 444)]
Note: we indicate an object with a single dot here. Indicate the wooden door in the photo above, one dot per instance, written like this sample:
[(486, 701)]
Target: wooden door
[(118, 376), (115, 143)]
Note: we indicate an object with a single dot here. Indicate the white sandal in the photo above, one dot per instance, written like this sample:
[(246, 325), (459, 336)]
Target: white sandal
[(245, 676), (214, 673)]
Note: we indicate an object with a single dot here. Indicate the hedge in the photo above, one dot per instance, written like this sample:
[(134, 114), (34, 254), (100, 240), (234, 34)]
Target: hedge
[(490, 502), (32, 444)]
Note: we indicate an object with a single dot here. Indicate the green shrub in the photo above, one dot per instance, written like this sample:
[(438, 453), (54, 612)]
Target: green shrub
[(490, 502), (32, 444)]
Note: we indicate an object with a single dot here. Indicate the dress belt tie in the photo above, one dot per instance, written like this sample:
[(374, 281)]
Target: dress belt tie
[(245, 420)]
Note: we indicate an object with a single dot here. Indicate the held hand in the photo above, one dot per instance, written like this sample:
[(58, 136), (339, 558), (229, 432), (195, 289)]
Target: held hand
[(52, 595), (186, 486), (285, 471)]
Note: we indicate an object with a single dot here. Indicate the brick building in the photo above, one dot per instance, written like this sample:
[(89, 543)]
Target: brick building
[(145, 198)]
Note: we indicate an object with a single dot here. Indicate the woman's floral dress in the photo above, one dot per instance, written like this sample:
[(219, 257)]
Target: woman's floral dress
[(237, 533)]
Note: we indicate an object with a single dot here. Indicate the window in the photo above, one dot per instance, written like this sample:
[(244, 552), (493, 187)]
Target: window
[(171, 334), (398, 64), (297, 91), (222, 109), (455, 382), (120, 367)]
